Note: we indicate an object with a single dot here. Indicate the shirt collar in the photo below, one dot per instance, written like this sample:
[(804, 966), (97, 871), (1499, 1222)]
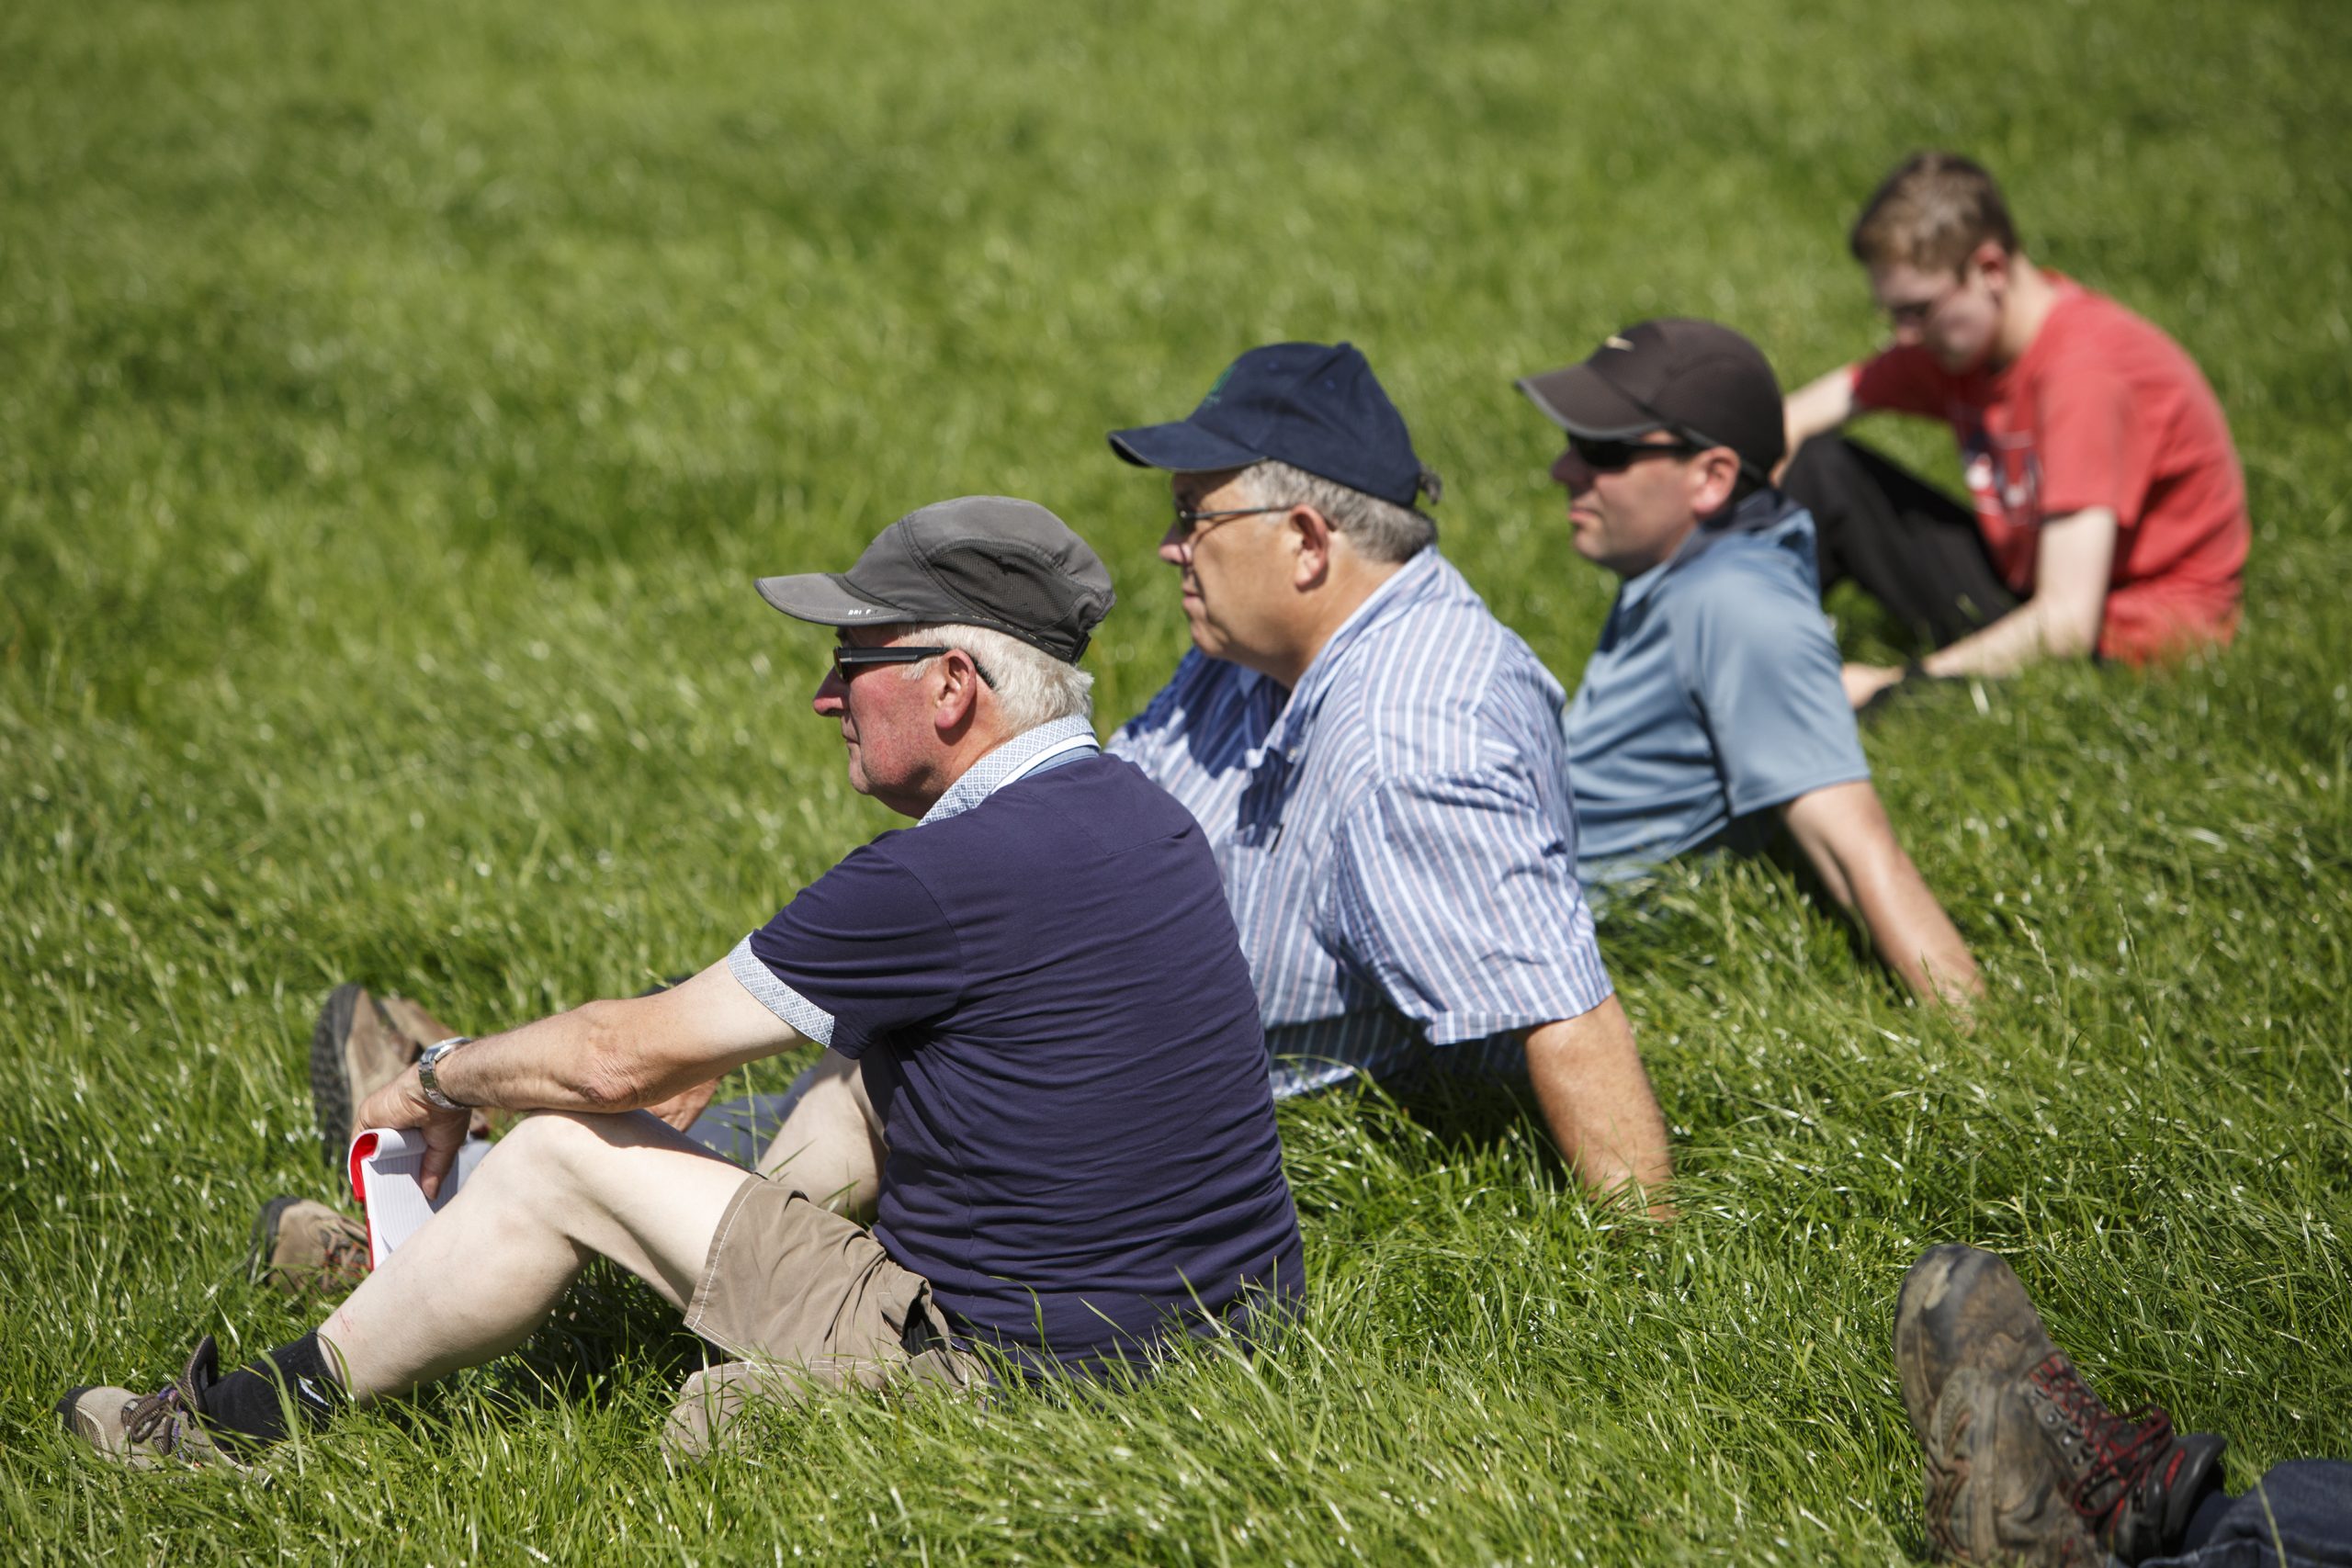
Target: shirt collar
[(1758, 512), (1013, 759), (1409, 585)]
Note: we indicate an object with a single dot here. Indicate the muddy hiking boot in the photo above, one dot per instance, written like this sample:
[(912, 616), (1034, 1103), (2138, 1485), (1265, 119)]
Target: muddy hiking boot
[(361, 1043), (307, 1248), (355, 1050), (2024, 1463), (150, 1430)]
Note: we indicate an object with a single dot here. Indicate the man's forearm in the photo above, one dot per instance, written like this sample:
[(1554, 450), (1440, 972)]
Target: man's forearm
[(1844, 833), (2072, 564), (2022, 636), (563, 1063), (1596, 1097), (1911, 931), (619, 1055)]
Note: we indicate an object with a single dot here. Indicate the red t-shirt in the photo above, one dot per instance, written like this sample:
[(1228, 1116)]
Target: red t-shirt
[(2101, 410)]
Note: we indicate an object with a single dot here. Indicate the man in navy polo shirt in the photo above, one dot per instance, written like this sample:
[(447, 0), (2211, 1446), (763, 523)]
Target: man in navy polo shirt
[(1712, 712), (1054, 1029)]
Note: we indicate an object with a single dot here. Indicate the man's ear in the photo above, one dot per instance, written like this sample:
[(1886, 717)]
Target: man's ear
[(1990, 259), (957, 702), (1312, 540), (1715, 474)]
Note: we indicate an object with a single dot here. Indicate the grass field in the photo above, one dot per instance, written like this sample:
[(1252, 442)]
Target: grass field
[(394, 404)]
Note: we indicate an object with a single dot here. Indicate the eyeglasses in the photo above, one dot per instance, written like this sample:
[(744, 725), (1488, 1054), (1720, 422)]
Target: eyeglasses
[(1192, 525), (848, 660), (1917, 313), (1611, 457)]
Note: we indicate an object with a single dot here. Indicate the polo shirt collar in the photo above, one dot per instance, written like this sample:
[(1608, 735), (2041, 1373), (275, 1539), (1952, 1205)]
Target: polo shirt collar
[(1759, 513), (1014, 759)]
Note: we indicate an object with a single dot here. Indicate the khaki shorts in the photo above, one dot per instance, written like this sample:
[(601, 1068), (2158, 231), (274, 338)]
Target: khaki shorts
[(806, 1302)]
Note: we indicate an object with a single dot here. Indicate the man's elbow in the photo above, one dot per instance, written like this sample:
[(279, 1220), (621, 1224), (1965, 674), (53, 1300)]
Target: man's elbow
[(609, 1072)]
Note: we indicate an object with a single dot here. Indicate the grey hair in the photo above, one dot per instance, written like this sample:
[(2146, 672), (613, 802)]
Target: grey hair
[(1382, 530), (1032, 686)]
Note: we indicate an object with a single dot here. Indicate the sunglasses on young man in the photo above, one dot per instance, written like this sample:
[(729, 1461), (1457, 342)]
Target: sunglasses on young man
[(1611, 457), (848, 660)]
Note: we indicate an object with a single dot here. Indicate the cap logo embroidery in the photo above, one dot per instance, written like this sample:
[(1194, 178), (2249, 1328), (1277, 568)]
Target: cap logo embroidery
[(1613, 341), (1223, 376)]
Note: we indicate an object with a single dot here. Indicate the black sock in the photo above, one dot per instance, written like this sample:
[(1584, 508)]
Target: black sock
[(251, 1401)]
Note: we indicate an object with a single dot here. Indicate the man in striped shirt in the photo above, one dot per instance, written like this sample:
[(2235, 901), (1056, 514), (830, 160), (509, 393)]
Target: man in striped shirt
[(1379, 764)]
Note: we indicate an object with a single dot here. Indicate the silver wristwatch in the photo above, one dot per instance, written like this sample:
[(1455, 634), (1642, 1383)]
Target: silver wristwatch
[(428, 1077)]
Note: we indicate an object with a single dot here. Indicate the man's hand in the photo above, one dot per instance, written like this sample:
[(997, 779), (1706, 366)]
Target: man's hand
[(1864, 681), (400, 1105), (685, 1108)]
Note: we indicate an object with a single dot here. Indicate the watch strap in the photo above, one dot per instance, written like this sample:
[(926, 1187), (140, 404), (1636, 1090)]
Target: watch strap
[(427, 1071)]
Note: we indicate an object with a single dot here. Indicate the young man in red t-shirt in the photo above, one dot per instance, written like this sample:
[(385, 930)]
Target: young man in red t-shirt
[(2109, 510)]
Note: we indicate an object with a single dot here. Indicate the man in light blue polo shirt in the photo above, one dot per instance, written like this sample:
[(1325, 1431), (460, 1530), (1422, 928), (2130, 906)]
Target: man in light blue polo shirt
[(1711, 714)]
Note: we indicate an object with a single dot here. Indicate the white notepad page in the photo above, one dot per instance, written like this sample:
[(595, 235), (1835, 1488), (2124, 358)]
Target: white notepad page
[(385, 1166)]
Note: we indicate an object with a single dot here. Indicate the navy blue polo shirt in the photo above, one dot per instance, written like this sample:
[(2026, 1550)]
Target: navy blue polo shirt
[(1046, 993), (1715, 694)]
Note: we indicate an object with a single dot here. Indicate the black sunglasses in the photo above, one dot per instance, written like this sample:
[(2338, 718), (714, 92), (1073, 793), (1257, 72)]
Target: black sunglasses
[(1610, 456), (848, 660)]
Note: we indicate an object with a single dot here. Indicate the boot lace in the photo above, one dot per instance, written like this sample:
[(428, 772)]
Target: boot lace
[(2120, 1450), (158, 1418), (345, 1254)]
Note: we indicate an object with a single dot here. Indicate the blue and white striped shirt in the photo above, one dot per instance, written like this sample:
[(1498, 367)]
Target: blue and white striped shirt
[(1397, 838)]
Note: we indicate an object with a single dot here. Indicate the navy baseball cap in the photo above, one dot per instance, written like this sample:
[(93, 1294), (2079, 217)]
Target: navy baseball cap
[(1314, 406)]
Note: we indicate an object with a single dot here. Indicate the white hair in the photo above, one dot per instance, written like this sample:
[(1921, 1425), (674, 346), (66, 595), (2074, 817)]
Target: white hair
[(1382, 530), (1032, 686)]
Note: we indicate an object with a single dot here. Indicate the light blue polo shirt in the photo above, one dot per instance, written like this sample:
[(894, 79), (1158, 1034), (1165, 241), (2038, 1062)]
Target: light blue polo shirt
[(1715, 694)]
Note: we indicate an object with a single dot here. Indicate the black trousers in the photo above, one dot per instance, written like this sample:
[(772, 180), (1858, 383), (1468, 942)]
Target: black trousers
[(1908, 545)]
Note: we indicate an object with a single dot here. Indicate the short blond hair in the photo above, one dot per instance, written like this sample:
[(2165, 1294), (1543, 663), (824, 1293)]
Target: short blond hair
[(1931, 213)]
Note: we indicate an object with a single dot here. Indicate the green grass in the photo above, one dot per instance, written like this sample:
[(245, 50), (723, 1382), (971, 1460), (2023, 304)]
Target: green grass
[(394, 405)]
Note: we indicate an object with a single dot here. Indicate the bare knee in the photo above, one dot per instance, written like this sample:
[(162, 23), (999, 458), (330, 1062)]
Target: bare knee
[(547, 1154)]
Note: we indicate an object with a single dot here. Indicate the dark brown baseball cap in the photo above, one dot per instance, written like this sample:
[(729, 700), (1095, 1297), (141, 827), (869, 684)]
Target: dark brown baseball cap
[(1700, 379), (980, 561)]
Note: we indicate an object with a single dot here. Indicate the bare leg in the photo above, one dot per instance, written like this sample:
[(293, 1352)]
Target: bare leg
[(831, 1146), (556, 1191)]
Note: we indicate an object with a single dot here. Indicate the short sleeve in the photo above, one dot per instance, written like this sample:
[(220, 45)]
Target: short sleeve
[(864, 946), (1904, 381), (2085, 433), (1457, 896), (1757, 655)]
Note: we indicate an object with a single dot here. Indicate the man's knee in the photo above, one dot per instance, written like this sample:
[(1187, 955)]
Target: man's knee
[(553, 1148)]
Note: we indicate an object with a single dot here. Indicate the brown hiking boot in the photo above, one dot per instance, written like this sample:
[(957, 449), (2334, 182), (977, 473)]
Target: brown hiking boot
[(421, 1029), (304, 1247), (146, 1431), (2024, 1463), (354, 1051), (417, 1026)]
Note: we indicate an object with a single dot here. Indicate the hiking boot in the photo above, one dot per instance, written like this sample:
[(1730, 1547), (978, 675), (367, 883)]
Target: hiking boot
[(150, 1430), (2024, 1462), (708, 1411), (354, 1051), (305, 1247), (415, 1024)]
